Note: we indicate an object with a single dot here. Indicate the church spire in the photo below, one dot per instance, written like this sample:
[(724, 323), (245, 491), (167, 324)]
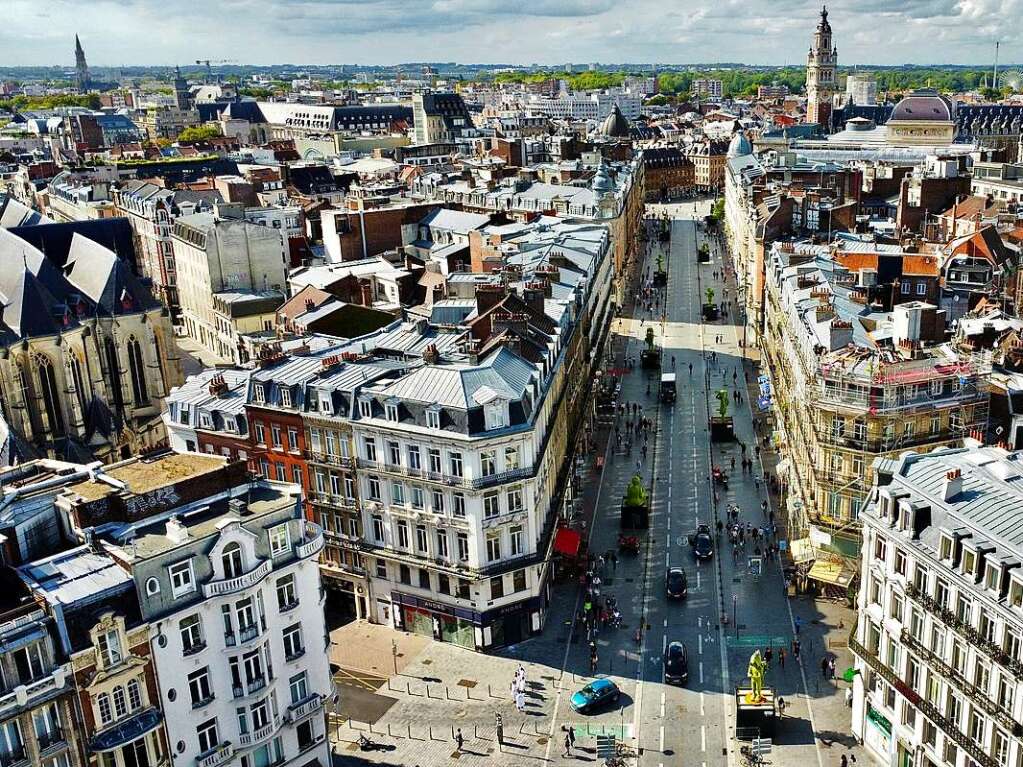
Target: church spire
[(83, 80)]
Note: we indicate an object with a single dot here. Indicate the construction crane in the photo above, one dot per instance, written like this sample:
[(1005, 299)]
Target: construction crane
[(209, 70)]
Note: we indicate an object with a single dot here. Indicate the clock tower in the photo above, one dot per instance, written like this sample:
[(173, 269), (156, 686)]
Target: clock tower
[(820, 74)]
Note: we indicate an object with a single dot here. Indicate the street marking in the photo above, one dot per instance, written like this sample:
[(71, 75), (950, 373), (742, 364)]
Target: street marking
[(665, 623), (702, 712), (697, 580), (701, 672), (661, 746), (664, 641), (703, 737), (700, 640)]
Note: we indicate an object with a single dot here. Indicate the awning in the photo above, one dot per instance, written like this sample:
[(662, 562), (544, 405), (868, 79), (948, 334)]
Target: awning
[(802, 551), (833, 573), (567, 542)]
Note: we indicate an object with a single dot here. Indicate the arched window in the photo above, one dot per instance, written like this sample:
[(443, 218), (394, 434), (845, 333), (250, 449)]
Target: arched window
[(137, 369), (103, 704), (120, 703), (74, 369), (159, 361), (51, 395), (232, 560), (134, 695), (114, 375)]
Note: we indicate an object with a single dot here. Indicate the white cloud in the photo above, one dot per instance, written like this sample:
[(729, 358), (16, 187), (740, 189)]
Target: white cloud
[(502, 31)]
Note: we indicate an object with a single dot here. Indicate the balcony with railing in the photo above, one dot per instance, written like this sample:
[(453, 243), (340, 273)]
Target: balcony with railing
[(308, 705), (265, 732), (245, 634), (490, 480), (311, 542), (344, 461), (27, 695), (221, 754), (950, 729), (247, 580)]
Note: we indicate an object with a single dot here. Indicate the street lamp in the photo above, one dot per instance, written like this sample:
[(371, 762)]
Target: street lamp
[(735, 606)]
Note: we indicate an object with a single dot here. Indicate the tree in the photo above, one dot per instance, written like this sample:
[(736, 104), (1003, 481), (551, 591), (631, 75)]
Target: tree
[(198, 133), (657, 101), (722, 397), (718, 211), (635, 493), (710, 296)]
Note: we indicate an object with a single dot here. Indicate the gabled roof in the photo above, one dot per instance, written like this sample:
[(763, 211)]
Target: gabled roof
[(104, 278)]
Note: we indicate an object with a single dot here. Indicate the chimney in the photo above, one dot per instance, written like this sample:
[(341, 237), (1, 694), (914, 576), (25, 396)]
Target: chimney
[(533, 296), (487, 297), (176, 532), (430, 355), (953, 485), (236, 506)]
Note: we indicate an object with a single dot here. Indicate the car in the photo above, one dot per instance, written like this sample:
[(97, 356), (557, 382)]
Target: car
[(676, 663), (597, 693), (702, 543), (676, 585)]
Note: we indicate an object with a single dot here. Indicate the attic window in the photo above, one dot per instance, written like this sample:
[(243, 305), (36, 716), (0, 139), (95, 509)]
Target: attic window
[(496, 415), (258, 393), (365, 408), (205, 421), (285, 397), (391, 411), (433, 419), (946, 548), (324, 402)]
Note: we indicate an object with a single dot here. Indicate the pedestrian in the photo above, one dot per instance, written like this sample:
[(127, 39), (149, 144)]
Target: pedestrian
[(568, 746), (768, 654), (520, 700), (831, 667), (795, 649), (459, 740), (848, 697), (781, 657), (571, 734), (824, 667), (799, 623), (614, 562), (844, 761)]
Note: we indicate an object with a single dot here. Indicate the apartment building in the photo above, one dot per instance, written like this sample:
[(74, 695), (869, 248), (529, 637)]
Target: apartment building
[(857, 371), (111, 665), (229, 272), (151, 210), (227, 576), (37, 706), (938, 642)]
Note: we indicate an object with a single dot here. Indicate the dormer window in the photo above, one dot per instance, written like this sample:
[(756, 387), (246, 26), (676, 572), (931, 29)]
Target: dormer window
[(496, 415), (391, 411), (231, 559), (365, 408), (433, 418), (108, 644), (285, 397), (1016, 593), (258, 393), (205, 421), (325, 402), (946, 548), (992, 576), (969, 562)]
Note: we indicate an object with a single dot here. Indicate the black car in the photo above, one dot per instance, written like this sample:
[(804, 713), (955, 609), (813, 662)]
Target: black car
[(702, 543), (676, 585), (676, 663)]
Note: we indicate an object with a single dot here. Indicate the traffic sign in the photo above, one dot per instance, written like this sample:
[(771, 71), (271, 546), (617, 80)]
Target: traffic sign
[(605, 746)]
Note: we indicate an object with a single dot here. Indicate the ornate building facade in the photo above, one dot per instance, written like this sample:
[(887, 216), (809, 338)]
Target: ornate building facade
[(86, 354), (820, 74)]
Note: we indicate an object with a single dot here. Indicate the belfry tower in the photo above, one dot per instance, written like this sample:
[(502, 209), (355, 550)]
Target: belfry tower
[(820, 74)]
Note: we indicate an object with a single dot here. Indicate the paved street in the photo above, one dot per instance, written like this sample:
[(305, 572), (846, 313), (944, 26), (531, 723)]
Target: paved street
[(443, 687)]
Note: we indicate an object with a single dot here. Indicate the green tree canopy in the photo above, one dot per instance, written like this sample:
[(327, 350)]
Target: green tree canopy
[(198, 133)]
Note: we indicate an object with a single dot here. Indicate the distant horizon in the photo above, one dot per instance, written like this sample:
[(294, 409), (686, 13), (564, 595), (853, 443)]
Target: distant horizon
[(769, 33)]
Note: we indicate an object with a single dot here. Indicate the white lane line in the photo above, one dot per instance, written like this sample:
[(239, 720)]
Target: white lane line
[(703, 737), (700, 640), (701, 672), (661, 740), (667, 558), (664, 642), (669, 521), (702, 712), (662, 704), (665, 623), (697, 580)]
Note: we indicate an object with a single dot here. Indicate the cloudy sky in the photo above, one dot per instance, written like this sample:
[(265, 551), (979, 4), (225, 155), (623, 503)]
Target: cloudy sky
[(163, 32)]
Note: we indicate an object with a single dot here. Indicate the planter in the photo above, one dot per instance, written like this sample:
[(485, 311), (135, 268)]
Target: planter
[(721, 429), (710, 312)]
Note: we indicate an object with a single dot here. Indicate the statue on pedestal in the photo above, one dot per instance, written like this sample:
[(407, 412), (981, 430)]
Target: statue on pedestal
[(756, 671)]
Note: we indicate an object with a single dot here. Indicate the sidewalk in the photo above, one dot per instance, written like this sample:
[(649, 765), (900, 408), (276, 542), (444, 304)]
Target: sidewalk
[(824, 625)]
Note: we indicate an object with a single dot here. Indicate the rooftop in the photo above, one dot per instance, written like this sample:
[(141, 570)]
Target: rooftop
[(143, 475)]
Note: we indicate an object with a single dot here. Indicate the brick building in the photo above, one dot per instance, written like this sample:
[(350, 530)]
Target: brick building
[(669, 173)]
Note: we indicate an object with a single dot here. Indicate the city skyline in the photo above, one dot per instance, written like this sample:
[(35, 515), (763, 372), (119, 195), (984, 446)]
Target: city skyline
[(385, 32)]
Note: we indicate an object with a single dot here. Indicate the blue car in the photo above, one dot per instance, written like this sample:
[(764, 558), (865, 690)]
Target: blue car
[(594, 695)]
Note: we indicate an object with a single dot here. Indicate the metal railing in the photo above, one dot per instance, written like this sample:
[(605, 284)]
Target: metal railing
[(973, 750)]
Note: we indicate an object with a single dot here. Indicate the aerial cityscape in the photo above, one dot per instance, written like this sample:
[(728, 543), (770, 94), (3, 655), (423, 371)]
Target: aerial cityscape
[(520, 408)]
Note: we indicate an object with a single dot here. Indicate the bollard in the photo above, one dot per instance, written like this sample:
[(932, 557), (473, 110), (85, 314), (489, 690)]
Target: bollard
[(389, 730), (408, 687), (410, 732), (447, 695)]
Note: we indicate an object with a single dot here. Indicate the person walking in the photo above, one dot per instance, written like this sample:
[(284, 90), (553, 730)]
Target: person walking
[(824, 667), (520, 701), (799, 623), (571, 735), (848, 697), (795, 649), (781, 657), (844, 762), (568, 745), (768, 654), (459, 740)]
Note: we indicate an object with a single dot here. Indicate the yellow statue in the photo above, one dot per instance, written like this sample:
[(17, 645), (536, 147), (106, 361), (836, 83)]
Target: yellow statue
[(756, 671)]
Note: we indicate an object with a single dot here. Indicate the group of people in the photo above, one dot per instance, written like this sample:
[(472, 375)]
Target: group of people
[(518, 688)]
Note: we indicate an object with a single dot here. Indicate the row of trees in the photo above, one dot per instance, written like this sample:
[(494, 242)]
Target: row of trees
[(21, 103), (744, 82)]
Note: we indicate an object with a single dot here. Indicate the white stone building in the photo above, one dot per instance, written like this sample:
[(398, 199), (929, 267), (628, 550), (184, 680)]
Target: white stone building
[(230, 587), (939, 638)]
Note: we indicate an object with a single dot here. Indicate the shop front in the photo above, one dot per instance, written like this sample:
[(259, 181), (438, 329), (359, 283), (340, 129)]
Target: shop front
[(426, 617), (877, 735), (467, 628)]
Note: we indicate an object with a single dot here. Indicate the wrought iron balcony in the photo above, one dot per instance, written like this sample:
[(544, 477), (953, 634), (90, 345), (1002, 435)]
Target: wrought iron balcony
[(974, 751)]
